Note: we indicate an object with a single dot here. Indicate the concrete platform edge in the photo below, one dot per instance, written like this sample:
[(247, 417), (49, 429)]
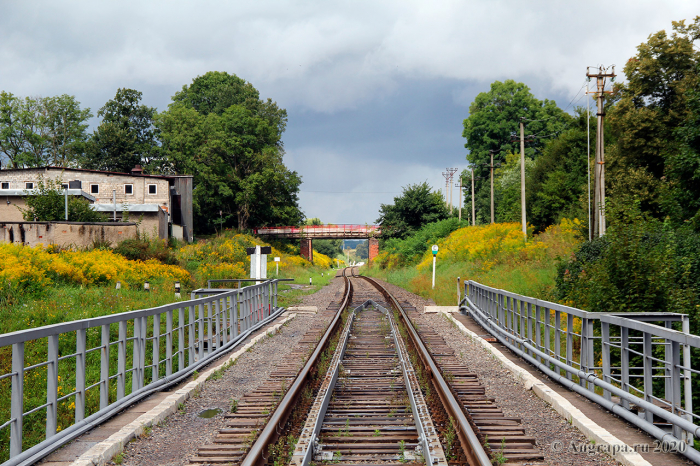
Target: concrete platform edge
[(104, 451), (590, 429)]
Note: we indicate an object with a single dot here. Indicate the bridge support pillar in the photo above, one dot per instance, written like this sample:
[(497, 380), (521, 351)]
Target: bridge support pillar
[(307, 249), (373, 250)]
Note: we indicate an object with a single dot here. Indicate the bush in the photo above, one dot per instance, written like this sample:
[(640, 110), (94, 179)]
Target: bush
[(144, 248)]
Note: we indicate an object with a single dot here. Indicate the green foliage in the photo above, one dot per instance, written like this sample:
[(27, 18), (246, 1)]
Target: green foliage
[(39, 131), (219, 131), (556, 183), (329, 247), (48, 205), (125, 137), (651, 156), (494, 118), (415, 207), (410, 250)]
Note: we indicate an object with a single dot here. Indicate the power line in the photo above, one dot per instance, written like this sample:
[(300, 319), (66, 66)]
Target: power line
[(354, 192)]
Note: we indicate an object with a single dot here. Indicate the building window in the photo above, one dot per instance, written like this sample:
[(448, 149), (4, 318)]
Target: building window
[(128, 189), (64, 185), (152, 189), (94, 189), (5, 185), (29, 185)]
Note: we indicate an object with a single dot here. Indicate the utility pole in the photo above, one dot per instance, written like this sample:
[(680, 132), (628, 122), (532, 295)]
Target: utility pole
[(599, 173), (447, 183), (460, 197), (522, 177), (473, 205), (450, 173), (491, 167)]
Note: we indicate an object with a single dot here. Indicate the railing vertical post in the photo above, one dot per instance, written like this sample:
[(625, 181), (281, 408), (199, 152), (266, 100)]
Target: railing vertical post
[(557, 338), (274, 290), (587, 350), (675, 378), (210, 340), (168, 342), (522, 326), (647, 374), (668, 385), (546, 318), (155, 372), (625, 363), (136, 355), (181, 338), (224, 319), (605, 350), (104, 367), (217, 323), (52, 386), (17, 399), (200, 321), (529, 326), (121, 361), (687, 383), (190, 335), (80, 335), (538, 330), (569, 342)]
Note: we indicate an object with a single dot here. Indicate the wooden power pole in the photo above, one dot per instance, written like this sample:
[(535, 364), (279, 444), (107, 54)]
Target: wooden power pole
[(473, 204), (599, 172), (522, 177)]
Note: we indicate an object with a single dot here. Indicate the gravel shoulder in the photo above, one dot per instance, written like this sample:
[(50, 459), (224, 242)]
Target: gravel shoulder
[(175, 441)]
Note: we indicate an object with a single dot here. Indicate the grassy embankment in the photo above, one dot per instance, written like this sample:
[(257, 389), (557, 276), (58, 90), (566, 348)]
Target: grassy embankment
[(46, 286), (494, 255)]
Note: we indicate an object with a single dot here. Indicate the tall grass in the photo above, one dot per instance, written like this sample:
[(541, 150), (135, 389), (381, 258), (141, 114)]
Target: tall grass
[(495, 255)]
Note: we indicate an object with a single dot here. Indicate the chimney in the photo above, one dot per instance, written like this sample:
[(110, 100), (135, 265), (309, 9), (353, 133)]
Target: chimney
[(137, 170)]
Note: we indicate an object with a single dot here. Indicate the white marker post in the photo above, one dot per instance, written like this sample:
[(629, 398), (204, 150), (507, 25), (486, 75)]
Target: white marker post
[(277, 266), (435, 251)]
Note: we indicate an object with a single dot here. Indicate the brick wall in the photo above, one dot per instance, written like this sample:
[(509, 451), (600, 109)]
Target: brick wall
[(373, 249), (65, 234), (307, 249)]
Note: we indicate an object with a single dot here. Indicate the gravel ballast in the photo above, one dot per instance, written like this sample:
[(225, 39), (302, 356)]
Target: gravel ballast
[(538, 418)]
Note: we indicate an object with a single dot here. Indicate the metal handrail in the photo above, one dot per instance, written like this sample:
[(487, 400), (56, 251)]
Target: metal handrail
[(196, 332), (524, 324)]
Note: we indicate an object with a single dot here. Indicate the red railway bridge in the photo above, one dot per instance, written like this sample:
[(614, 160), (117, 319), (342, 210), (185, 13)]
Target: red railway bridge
[(306, 235)]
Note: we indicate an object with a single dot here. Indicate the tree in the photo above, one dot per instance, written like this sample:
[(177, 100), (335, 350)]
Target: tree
[(43, 130), (329, 247), (493, 122), (126, 136), (48, 205), (362, 250), (234, 153), (556, 184), (415, 207), (647, 153)]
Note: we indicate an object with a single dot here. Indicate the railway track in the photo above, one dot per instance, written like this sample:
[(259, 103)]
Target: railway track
[(369, 385)]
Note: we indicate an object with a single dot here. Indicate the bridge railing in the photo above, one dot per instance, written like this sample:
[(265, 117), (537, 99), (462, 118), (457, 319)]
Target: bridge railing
[(59, 381), (624, 361), (316, 230)]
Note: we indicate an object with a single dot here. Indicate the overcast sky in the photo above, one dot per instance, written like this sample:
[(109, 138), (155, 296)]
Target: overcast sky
[(376, 91)]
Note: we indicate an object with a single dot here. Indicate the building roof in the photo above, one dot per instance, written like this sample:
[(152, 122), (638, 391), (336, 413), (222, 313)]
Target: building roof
[(85, 170), (129, 207)]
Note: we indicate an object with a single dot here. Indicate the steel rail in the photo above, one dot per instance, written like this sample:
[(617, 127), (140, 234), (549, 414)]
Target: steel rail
[(473, 450), (273, 428)]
